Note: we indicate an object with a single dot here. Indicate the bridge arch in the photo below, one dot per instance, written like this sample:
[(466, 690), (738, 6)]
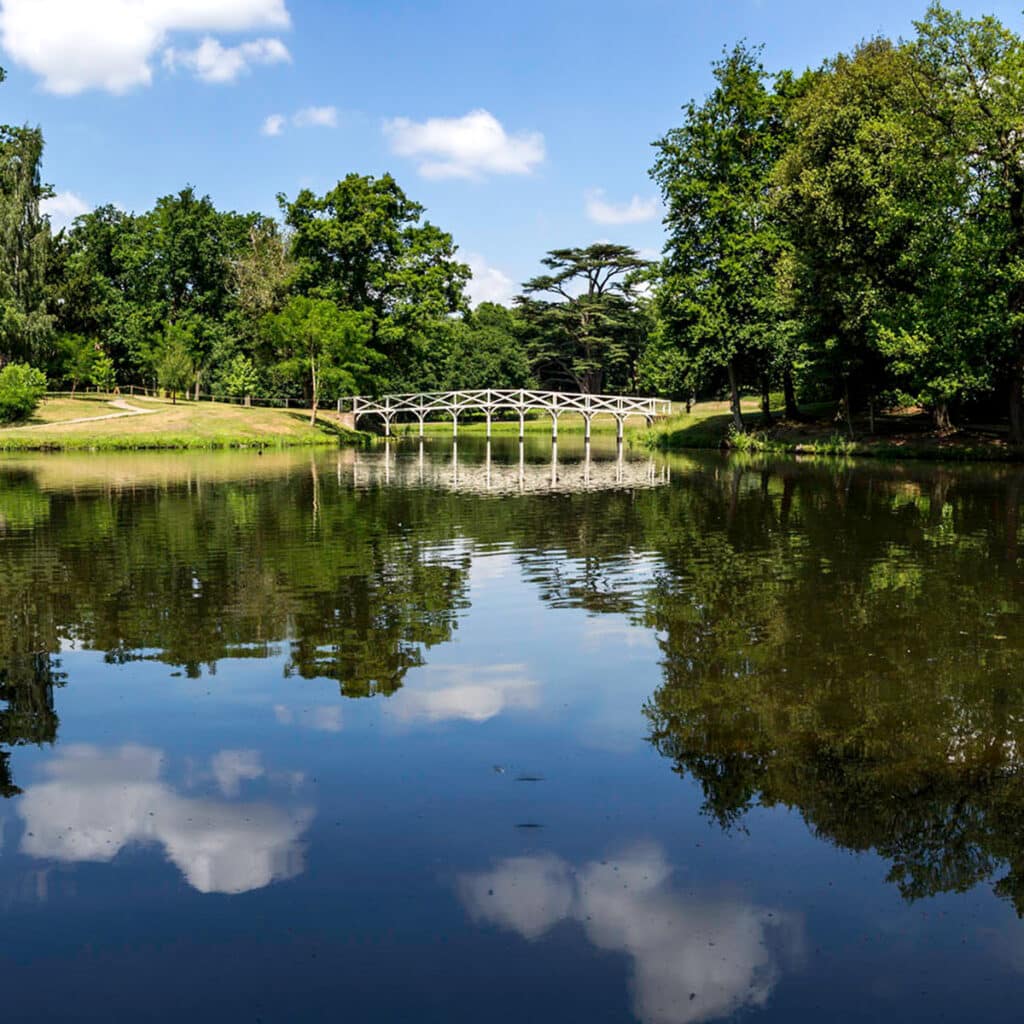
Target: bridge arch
[(422, 405)]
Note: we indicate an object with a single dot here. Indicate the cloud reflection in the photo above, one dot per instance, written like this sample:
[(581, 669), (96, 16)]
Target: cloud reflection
[(233, 767), (97, 802), (694, 959), (472, 693)]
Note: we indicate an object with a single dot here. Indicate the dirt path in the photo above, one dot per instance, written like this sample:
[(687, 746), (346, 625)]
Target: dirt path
[(117, 403)]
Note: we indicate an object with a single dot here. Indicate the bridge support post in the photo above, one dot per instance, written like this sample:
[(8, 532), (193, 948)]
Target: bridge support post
[(554, 425), (455, 424), (488, 424), (421, 426), (586, 426), (522, 425), (620, 422), (387, 426)]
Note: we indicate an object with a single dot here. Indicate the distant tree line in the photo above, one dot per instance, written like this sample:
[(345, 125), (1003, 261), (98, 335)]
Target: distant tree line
[(351, 291), (851, 234)]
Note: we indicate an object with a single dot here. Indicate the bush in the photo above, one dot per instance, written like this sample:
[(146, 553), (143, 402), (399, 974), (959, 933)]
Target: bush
[(21, 390)]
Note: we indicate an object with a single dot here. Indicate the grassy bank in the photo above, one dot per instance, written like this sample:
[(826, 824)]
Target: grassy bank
[(104, 423), (903, 435)]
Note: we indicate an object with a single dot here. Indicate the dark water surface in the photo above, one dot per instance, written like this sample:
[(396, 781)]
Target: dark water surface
[(412, 738)]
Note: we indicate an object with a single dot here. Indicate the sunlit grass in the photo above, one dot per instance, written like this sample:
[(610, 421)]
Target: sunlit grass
[(186, 425)]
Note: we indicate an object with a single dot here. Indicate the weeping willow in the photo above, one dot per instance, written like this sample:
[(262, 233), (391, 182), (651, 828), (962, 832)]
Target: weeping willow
[(25, 325)]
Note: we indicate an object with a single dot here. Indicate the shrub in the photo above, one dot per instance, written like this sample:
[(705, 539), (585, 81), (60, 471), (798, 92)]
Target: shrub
[(21, 390), (747, 442)]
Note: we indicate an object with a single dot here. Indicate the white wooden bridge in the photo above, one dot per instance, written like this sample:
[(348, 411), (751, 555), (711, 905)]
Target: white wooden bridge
[(420, 406)]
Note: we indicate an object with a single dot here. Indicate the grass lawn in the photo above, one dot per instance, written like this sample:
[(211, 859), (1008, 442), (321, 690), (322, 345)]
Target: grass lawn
[(61, 407), (167, 425)]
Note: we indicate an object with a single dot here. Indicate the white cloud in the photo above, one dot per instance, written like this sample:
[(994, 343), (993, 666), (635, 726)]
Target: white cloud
[(214, 63), (98, 802), (109, 44), (307, 117), (63, 208), (489, 284), (464, 147), (635, 211), (473, 693), (273, 125), (694, 959), (316, 117)]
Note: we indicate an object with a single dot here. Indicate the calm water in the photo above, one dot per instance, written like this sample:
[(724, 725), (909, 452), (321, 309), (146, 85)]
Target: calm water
[(420, 738)]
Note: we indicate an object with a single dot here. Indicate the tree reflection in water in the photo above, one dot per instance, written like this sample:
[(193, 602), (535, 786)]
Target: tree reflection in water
[(844, 640)]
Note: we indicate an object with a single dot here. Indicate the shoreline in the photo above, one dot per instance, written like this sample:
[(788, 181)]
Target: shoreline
[(903, 436)]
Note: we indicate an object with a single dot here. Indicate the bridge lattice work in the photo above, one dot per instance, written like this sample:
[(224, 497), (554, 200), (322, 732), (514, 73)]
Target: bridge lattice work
[(423, 405)]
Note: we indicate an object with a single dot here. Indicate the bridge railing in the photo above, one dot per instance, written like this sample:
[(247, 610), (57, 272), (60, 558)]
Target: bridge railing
[(488, 401)]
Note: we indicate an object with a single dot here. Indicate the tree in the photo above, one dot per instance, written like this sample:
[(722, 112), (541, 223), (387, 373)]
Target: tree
[(716, 296), (25, 325), (21, 390), (968, 76), (240, 378), (102, 374), (363, 246), (862, 204), (174, 367), (77, 355), (484, 350), (327, 344), (88, 285), (591, 332), (175, 263)]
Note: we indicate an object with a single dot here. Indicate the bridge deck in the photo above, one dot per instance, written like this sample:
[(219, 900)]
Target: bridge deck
[(422, 405)]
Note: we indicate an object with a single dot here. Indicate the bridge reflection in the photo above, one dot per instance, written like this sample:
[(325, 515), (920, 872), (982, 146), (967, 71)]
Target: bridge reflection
[(487, 475)]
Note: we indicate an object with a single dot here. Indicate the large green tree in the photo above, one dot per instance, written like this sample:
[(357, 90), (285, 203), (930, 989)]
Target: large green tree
[(583, 324), (365, 246), (25, 325), (717, 296), (867, 209), (968, 76)]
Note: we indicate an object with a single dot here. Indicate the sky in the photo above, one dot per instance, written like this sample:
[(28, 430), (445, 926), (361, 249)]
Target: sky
[(520, 128)]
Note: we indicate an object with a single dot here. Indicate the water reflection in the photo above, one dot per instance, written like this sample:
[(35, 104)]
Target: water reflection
[(694, 958), (98, 801), (849, 643), (843, 640), (472, 693), (473, 469)]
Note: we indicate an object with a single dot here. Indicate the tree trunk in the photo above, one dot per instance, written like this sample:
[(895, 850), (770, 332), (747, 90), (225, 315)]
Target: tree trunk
[(846, 411), (940, 415), (316, 391), (789, 392), (1017, 405), (197, 386), (766, 402), (734, 398)]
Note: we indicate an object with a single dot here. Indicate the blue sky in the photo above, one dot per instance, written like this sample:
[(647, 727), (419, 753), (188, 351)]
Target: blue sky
[(520, 128)]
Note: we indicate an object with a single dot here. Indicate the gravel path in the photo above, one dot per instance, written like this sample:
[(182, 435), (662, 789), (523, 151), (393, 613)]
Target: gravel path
[(118, 403)]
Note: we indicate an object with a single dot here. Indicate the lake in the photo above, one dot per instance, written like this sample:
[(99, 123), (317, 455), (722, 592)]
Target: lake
[(491, 735)]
